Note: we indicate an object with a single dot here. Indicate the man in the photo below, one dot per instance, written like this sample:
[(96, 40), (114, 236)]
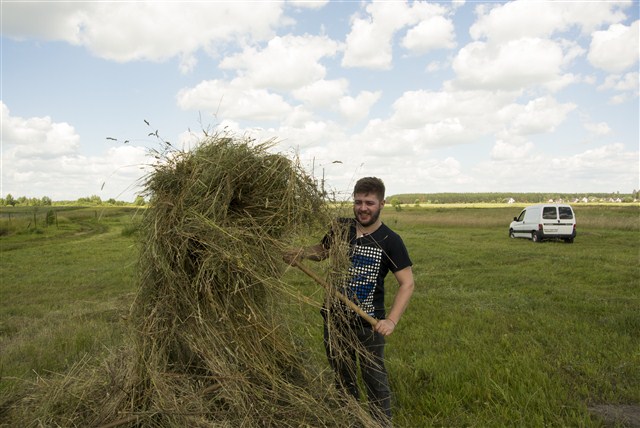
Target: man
[(374, 250)]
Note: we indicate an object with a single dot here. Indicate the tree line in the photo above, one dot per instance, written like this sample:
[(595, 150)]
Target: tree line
[(506, 197), (92, 200), (407, 198)]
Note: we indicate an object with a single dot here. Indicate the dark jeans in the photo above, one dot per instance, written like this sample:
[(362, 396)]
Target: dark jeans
[(343, 355)]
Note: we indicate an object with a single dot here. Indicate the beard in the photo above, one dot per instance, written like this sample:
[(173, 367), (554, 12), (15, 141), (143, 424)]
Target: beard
[(371, 218)]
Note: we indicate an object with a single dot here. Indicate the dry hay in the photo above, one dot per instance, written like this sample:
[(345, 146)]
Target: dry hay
[(209, 345)]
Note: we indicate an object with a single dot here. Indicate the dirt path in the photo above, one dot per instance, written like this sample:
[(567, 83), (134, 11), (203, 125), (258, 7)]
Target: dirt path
[(617, 415)]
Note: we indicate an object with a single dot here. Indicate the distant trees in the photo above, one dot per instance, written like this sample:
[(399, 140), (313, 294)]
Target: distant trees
[(396, 204), (503, 197), (9, 200), (92, 200), (396, 201)]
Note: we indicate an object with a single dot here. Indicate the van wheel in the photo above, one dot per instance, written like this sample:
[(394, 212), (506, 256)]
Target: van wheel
[(535, 237), (511, 234)]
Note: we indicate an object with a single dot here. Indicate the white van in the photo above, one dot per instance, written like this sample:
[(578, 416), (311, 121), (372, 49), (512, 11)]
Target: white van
[(545, 221)]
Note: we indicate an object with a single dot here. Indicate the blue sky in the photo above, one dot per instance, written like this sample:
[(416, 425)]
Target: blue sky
[(523, 96)]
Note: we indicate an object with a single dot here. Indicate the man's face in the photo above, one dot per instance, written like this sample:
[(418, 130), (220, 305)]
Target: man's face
[(366, 208)]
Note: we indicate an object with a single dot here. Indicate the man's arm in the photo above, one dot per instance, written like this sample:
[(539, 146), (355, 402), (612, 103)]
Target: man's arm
[(316, 253), (405, 290)]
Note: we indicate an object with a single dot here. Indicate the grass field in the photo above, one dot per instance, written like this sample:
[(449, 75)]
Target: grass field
[(499, 332)]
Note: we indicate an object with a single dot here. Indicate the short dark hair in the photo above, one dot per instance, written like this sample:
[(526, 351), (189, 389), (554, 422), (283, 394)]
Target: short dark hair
[(370, 185)]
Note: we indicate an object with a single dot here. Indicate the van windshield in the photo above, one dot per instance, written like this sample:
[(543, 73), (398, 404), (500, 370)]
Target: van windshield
[(565, 213)]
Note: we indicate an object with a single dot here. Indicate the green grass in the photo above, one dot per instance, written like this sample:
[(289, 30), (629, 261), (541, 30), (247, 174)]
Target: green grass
[(63, 294), (509, 332), (499, 332), (504, 332)]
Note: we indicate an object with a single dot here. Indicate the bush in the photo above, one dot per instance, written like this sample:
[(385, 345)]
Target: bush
[(130, 229)]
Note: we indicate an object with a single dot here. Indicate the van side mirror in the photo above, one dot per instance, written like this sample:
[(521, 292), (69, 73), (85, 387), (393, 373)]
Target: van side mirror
[(515, 219)]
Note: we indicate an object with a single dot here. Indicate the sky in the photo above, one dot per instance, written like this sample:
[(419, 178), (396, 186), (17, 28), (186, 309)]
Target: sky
[(458, 96)]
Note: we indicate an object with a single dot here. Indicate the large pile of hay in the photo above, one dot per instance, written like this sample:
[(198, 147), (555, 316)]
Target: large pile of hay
[(209, 345)]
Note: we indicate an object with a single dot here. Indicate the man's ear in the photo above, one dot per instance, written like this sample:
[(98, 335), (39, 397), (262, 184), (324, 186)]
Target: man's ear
[(382, 202)]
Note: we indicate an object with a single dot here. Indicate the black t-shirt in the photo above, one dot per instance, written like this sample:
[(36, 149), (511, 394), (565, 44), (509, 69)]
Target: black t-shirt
[(372, 257)]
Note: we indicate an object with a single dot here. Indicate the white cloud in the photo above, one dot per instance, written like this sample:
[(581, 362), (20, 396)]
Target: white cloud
[(127, 31), (628, 84), (434, 66), (387, 139), (433, 33), (598, 129), (308, 4), (297, 117), (427, 174), (187, 63), (465, 113), (37, 137), (526, 19), (369, 43), (506, 151), (308, 135), (322, 93), (512, 65), (589, 171), (354, 109), (625, 82), (605, 164), (330, 94), (427, 119), (615, 49), (510, 49), (541, 115), (433, 173), (41, 158), (618, 99), (367, 47), (286, 63), (560, 82), (233, 101)]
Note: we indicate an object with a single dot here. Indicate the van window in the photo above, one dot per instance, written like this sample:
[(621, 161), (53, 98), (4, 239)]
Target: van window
[(565, 213), (549, 213), (521, 217)]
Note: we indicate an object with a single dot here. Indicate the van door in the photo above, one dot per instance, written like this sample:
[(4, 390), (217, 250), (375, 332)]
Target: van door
[(557, 220), (566, 220), (550, 220), (527, 222), (518, 224)]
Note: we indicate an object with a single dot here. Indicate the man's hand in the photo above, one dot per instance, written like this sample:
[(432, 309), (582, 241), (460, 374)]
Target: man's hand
[(385, 327), (315, 252), (292, 256)]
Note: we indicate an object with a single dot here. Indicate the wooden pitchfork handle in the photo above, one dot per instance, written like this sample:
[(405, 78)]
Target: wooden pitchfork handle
[(371, 320)]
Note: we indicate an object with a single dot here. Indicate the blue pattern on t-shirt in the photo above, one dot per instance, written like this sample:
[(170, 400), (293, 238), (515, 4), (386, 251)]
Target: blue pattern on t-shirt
[(365, 265)]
